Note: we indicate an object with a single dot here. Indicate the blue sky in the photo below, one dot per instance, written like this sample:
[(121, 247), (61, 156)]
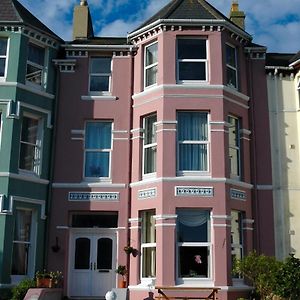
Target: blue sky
[(273, 23)]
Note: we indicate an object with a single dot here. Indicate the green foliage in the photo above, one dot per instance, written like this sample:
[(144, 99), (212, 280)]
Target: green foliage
[(21, 289), (261, 271), (122, 270), (288, 279)]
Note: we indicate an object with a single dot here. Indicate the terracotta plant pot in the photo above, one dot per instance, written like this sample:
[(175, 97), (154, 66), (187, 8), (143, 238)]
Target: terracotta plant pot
[(122, 284), (43, 282)]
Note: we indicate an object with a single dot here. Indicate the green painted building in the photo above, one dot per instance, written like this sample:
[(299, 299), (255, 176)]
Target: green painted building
[(27, 103)]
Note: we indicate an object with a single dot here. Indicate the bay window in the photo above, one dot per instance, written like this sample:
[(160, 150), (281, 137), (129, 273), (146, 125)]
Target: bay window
[(151, 65), (98, 147), (192, 141), (231, 66), (149, 144), (191, 59), (35, 64), (100, 75), (193, 243), (31, 144), (234, 147), (3, 55), (236, 235), (148, 244)]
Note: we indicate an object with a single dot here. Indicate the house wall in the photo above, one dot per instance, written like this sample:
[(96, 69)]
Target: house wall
[(284, 123)]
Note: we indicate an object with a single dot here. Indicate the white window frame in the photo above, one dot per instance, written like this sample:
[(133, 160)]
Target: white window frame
[(41, 67), (234, 68), (194, 172), (209, 245), (32, 247), (151, 66), (149, 145), (3, 78), (38, 146), (205, 61), (235, 147), (108, 178), (109, 75), (146, 280)]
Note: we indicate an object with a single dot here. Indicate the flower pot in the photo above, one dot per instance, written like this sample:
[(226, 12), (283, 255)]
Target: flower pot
[(43, 282), (122, 284)]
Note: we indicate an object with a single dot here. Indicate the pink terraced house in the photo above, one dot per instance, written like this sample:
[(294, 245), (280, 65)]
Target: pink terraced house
[(162, 144)]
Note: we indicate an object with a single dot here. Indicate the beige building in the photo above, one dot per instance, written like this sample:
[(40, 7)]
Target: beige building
[(283, 78)]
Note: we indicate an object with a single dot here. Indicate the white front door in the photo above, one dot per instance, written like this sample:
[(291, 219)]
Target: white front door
[(92, 259)]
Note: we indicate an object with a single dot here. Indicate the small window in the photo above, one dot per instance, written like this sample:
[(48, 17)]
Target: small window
[(100, 75), (148, 244), (193, 243), (31, 144), (35, 64), (234, 147), (231, 66), (3, 54), (191, 60), (192, 141), (151, 65), (98, 147), (149, 144)]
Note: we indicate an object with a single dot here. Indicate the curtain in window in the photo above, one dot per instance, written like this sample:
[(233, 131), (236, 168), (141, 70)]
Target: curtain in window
[(193, 218), (192, 130)]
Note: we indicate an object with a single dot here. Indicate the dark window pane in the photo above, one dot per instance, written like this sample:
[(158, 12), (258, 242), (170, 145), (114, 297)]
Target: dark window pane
[(151, 75), (3, 46), (230, 56), (191, 48), (99, 84), (98, 135), (193, 261), (192, 71), (82, 254), (149, 262), (231, 77), (34, 74), (192, 157), (97, 164), (2, 67), (101, 65), (104, 255), (150, 160), (36, 54), (151, 54), (108, 220), (20, 259)]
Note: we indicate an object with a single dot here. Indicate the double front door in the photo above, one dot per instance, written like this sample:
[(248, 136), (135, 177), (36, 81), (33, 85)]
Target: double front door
[(92, 264)]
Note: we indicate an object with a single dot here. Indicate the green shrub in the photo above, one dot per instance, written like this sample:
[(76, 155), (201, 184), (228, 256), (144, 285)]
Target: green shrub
[(20, 290), (288, 279)]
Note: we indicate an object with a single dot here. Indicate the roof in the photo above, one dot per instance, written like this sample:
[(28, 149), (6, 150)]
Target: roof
[(13, 12), (100, 41), (295, 57), (186, 10), (279, 59)]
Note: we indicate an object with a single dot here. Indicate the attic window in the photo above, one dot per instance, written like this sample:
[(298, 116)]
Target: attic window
[(35, 64), (3, 52), (100, 75), (191, 59), (151, 65), (231, 66)]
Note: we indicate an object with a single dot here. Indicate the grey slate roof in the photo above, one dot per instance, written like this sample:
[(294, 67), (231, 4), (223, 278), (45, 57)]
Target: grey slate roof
[(101, 41), (13, 13), (185, 10), (279, 59)]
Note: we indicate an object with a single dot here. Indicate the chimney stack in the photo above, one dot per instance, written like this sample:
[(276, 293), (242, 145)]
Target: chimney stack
[(82, 21), (237, 16)]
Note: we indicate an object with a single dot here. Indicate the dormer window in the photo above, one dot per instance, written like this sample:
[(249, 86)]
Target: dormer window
[(3, 54), (151, 64), (35, 64), (100, 75), (191, 60), (231, 66)]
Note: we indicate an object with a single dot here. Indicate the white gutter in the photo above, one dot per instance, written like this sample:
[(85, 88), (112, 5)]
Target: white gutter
[(295, 63), (203, 22), (278, 68)]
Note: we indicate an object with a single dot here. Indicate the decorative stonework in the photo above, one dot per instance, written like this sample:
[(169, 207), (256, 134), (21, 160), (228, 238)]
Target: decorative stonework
[(148, 193), (84, 196), (237, 194), (194, 191)]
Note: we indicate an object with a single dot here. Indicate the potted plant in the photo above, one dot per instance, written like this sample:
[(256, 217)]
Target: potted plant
[(56, 279), (43, 279), (122, 270), (130, 250)]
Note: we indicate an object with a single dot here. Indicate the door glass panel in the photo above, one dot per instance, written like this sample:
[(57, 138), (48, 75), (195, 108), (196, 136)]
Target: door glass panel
[(82, 253), (104, 254)]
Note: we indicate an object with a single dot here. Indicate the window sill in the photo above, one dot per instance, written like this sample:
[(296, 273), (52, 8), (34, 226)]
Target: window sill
[(97, 180), (99, 97), (149, 176), (38, 87), (28, 173), (187, 82), (193, 173), (195, 282)]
